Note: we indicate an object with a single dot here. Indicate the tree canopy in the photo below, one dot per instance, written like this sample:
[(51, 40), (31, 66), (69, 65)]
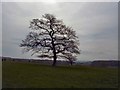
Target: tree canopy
[(51, 38)]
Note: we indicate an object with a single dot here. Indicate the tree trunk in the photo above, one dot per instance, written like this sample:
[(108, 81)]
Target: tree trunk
[(54, 57), (54, 53), (71, 63), (54, 49), (54, 60)]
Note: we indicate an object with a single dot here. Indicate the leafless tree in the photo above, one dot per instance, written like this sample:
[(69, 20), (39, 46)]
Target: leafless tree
[(50, 38)]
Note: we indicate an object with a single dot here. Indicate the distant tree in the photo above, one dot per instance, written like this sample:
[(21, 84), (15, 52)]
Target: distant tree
[(50, 38)]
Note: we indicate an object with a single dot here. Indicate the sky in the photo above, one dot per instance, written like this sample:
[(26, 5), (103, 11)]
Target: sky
[(95, 23), (0, 28)]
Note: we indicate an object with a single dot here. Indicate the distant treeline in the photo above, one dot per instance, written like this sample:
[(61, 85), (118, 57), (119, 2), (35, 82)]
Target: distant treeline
[(96, 63), (45, 61), (110, 63)]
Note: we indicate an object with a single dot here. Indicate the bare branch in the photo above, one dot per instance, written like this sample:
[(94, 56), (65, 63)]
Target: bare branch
[(50, 35)]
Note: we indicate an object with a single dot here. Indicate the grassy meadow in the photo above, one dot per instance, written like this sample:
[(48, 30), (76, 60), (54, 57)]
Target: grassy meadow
[(30, 75)]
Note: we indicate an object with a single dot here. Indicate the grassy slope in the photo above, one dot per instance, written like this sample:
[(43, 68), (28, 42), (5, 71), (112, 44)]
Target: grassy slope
[(0, 74), (39, 76)]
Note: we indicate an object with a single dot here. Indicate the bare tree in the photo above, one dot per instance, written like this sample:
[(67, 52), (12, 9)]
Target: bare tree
[(50, 38)]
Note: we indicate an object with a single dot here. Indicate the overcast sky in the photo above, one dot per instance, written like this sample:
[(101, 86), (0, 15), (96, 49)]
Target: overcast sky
[(95, 23)]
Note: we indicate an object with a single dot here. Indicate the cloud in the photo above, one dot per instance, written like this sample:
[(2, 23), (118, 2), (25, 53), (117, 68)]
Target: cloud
[(0, 29), (96, 24)]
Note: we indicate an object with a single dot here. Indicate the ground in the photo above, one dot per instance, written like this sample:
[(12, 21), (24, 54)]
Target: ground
[(30, 75)]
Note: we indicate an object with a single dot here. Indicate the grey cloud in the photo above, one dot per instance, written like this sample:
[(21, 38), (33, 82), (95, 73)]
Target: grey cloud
[(96, 24), (0, 29)]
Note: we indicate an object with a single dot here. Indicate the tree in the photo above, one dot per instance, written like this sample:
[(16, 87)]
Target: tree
[(50, 38)]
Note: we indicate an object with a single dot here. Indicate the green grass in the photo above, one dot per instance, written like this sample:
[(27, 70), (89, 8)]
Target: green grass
[(29, 75), (0, 74)]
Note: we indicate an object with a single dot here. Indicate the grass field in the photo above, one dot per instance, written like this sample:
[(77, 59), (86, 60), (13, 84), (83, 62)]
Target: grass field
[(29, 75)]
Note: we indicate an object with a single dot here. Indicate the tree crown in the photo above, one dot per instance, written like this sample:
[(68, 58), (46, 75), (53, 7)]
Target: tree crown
[(49, 37)]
